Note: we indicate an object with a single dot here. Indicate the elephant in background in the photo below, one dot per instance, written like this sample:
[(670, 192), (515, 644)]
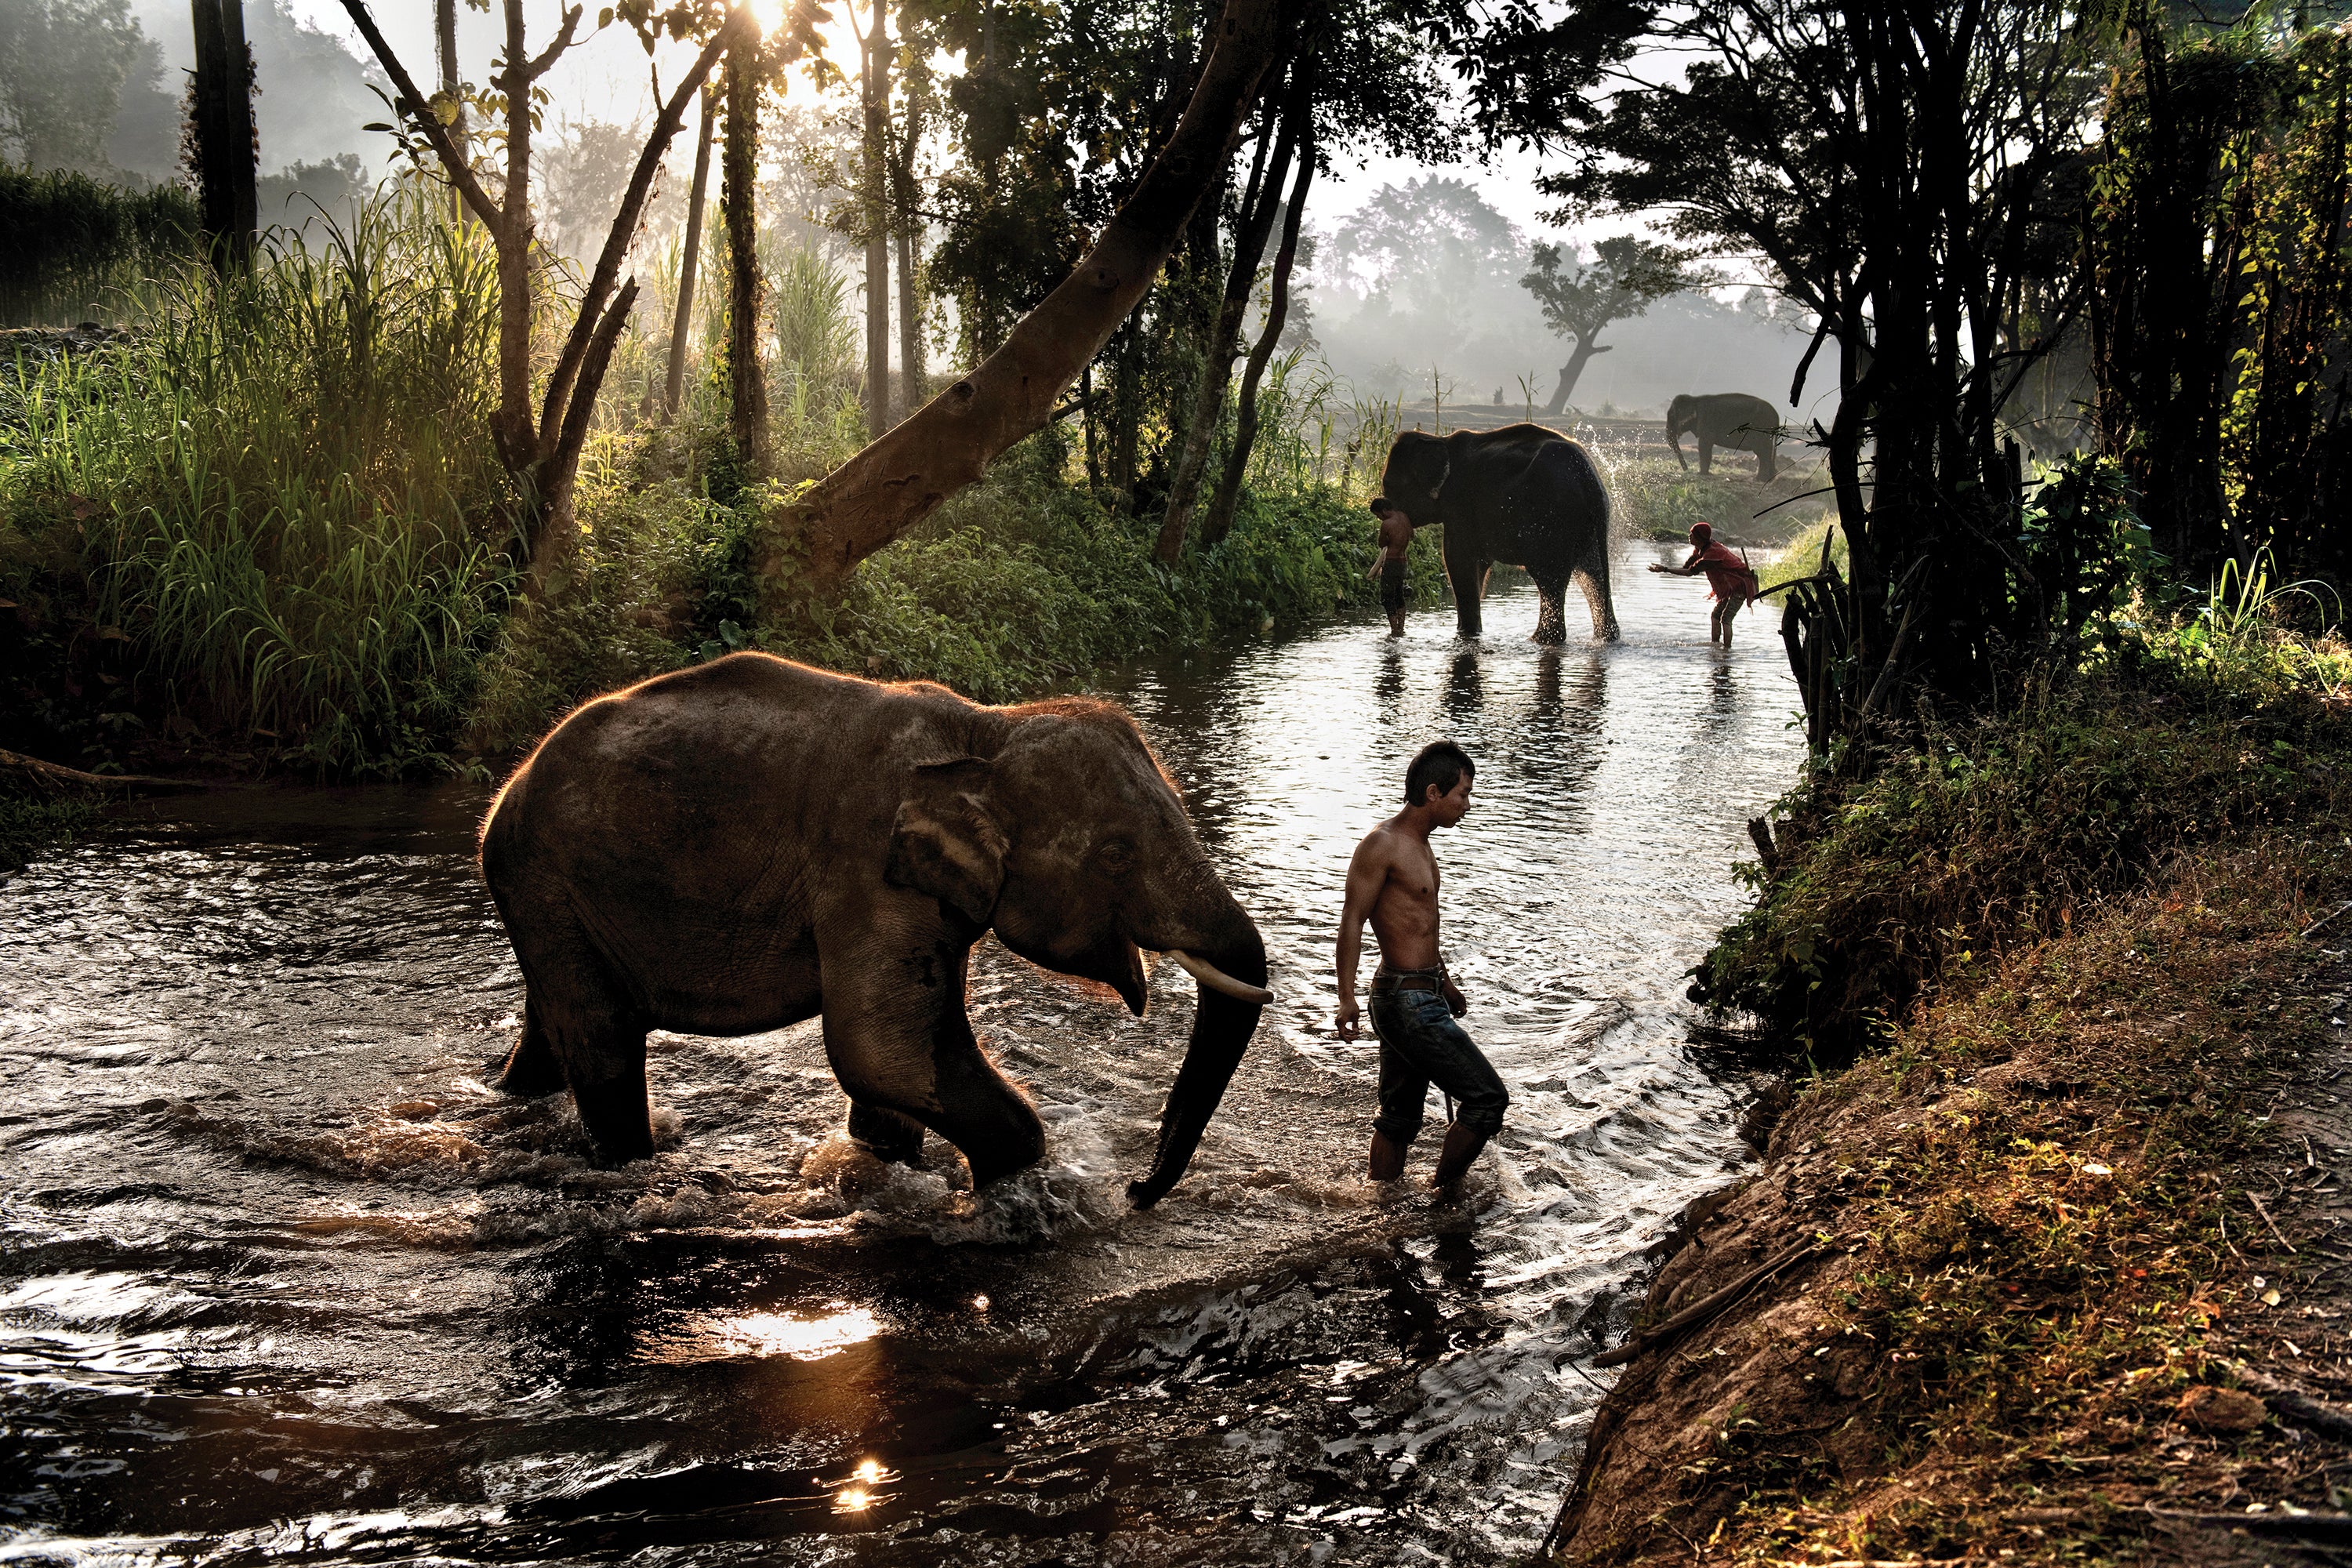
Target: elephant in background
[(748, 843), (1732, 419), (1521, 494)]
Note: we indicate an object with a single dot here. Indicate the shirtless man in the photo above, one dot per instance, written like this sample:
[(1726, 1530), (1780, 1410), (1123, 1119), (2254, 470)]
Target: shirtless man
[(1396, 538), (1392, 882)]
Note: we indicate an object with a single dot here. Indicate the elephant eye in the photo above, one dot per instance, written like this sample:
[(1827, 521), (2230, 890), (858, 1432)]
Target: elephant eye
[(1116, 855)]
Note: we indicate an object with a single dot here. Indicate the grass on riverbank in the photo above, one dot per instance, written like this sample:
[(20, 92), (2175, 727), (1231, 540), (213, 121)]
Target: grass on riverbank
[(266, 531), (2010, 829), (2056, 1313), (2066, 1143)]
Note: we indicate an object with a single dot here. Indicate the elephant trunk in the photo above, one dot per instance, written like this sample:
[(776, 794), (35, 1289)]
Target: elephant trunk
[(1222, 1023)]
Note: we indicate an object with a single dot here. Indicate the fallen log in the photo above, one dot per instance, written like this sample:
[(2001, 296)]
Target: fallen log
[(55, 778)]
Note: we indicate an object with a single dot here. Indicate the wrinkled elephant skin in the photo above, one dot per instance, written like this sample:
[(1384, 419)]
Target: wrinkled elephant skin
[(1732, 419), (748, 843), (1522, 495)]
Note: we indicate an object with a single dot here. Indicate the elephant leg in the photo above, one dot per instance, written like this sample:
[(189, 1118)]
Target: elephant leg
[(1467, 575), (530, 1068), (890, 1137), (907, 1048), (1550, 625), (575, 1015), (1766, 465), (1593, 579), (1706, 454)]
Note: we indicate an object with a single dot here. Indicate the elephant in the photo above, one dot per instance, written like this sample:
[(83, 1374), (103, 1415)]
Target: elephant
[(1520, 494), (749, 842), (1732, 419)]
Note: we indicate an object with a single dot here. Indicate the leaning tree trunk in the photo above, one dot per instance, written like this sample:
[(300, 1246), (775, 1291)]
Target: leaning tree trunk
[(898, 480), (689, 259), (876, 94), (1260, 201), (1571, 373), (1219, 521), (224, 139), (747, 384)]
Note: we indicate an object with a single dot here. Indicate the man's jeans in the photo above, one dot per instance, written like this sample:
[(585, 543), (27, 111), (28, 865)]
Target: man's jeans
[(1421, 1044)]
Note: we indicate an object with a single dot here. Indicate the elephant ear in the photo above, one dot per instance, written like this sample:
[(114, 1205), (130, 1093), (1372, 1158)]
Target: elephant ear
[(945, 842)]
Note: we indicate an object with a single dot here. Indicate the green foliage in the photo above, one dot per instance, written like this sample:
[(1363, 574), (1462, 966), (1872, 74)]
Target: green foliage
[(31, 824), (1624, 276), (2006, 829), (1655, 497), (816, 342), (283, 492), (68, 240), (1021, 585)]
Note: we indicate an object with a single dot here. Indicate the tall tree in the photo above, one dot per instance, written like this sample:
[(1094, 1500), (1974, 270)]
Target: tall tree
[(450, 101), (64, 64), (689, 259), (1624, 276), (541, 445), (222, 132), (1219, 520), (906, 223), (1887, 164), (1261, 201), (898, 479), (738, 186), (873, 94)]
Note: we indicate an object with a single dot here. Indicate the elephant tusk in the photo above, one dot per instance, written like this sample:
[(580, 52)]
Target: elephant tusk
[(1216, 979)]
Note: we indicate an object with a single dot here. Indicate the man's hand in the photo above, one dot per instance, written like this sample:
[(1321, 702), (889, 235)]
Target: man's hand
[(1455, 1000), (1657, 566), (1348, 1018)]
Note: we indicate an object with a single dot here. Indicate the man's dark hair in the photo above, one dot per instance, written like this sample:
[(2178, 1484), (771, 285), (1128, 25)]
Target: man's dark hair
[(1441, 763), (1380, 506)]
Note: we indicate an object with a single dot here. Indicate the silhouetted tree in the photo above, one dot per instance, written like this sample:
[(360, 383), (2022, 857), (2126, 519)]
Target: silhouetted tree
[(1625, 274)]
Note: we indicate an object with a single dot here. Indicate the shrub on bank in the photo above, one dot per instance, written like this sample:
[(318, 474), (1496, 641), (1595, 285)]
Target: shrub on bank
[(2014, 828)]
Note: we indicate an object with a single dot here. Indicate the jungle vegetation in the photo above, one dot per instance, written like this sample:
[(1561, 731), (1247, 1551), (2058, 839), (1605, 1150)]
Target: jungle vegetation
[(2010, 227)]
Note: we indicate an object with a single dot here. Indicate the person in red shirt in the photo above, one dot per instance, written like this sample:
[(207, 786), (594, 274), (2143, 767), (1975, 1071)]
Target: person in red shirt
[(1733, 580)]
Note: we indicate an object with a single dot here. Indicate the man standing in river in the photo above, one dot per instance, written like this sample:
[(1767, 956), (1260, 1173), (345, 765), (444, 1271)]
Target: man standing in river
[(1392, 882), (1396, 538)]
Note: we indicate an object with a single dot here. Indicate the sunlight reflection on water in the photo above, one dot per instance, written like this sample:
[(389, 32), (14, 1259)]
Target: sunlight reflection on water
[(282, 1277)]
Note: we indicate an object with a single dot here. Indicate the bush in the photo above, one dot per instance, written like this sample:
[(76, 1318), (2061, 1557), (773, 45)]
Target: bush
[(282, 492), (2005, 831)]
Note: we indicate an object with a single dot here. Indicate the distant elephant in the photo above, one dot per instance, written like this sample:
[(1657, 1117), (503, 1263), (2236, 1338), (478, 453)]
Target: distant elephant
[(1520, 494), (748, 843), (1732, 419)]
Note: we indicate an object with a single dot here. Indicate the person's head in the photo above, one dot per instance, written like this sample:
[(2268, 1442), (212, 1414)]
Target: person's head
[(1384, 509), (1438, 782), (1701, 532)]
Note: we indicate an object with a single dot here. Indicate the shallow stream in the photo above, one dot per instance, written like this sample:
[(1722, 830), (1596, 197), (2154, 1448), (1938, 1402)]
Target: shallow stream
[(281, 1281)]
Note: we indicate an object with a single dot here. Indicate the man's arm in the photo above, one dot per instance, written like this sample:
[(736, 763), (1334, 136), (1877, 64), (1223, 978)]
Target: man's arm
[(1690, 568), (1368, 872)]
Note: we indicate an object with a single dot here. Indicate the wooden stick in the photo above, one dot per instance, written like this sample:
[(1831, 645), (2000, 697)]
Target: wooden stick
[(1700, 1311)]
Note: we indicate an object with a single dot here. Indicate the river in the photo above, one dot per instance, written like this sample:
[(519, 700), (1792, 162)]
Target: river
[(280, 1280)]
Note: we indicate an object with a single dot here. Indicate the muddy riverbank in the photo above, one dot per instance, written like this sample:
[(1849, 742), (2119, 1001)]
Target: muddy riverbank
[(2063, 1275)]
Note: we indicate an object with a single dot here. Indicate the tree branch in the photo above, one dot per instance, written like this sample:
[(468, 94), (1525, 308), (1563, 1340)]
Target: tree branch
[(414, 105), (625, 223)]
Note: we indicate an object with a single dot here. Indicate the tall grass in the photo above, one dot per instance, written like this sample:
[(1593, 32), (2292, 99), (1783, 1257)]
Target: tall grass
[(301, 511), (68, 242)]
